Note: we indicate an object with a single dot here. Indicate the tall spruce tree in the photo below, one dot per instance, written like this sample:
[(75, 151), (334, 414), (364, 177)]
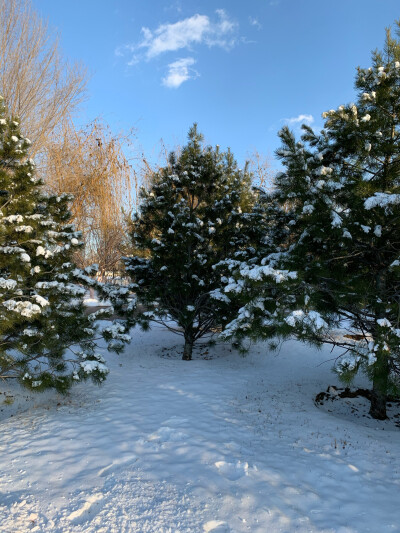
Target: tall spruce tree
[(197, 213), (341, 258), (46, 340)]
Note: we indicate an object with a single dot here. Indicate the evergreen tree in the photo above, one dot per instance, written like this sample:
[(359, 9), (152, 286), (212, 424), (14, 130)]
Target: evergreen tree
[(195, 215), (45, 338), (253, 281), (341, 192)]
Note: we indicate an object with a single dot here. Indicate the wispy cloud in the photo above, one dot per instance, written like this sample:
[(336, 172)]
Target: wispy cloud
[(172, 37), (178, 72), (184, 34), (254, 22), (176, 6), (309, 119)]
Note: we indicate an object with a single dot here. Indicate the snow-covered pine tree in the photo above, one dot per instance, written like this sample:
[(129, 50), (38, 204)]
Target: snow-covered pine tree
[(253, 281), (196, 214), (45, 338), (341, 189)]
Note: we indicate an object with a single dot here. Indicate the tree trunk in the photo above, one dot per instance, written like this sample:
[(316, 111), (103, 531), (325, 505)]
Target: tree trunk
[(379, 389), (188, 348), (378, 405), (381, 366)]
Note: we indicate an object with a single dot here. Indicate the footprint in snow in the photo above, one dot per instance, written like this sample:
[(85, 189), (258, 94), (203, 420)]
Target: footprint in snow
[(216, 526), (88, 509), (167, 434), (117, 464), (232, 471), (175, 421)]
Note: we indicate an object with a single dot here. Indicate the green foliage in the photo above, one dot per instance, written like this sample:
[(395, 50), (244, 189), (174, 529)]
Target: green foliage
[(197, 213), (347, 212), (338, 262), (46, 339)]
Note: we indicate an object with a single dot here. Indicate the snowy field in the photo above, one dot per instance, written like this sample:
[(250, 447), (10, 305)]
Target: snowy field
[(220, 444)]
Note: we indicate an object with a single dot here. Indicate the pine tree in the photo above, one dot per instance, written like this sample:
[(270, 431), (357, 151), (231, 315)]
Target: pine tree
[(195, 215), (46, 340), (341, 192), (253, 281)]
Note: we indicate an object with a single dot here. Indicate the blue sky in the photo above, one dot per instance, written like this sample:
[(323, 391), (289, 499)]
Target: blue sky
[(240, 68)]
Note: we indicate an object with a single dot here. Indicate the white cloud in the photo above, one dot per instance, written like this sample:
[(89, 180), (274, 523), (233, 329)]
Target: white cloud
[(178, 72), (184, 34), (198, 29), (172, 37), (301, 118), (254, 22)]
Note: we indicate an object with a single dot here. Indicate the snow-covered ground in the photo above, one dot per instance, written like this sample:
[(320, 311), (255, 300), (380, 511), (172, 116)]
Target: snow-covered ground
[(94, 301), (219, 444)]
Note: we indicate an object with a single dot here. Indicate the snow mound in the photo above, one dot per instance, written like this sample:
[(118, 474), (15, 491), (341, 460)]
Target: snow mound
[(167, 434), (87, 510), (216, 526), (232, 471)]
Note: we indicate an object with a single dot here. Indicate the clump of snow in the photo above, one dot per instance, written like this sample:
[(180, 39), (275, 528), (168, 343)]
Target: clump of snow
[(117, 331), (381, 199), (40, 300), (25, 258), (325, 171), (218, 295), (24, 308), (92, 366), (310, 319), (336, 220), (8, 284), (308, 209), (257, 273), (30, 332), (12, 219), (384, 323)]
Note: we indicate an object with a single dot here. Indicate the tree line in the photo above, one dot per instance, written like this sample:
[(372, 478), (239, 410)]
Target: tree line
[(316, 256)]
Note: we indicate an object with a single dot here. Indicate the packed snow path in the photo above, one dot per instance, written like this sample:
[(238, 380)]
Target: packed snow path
[(220, 444)]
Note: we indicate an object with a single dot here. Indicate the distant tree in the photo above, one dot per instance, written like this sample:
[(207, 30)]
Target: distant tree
[(340, 263), (91, 164), (260, 167), (195, 214), (46, 339), (39, 86)]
